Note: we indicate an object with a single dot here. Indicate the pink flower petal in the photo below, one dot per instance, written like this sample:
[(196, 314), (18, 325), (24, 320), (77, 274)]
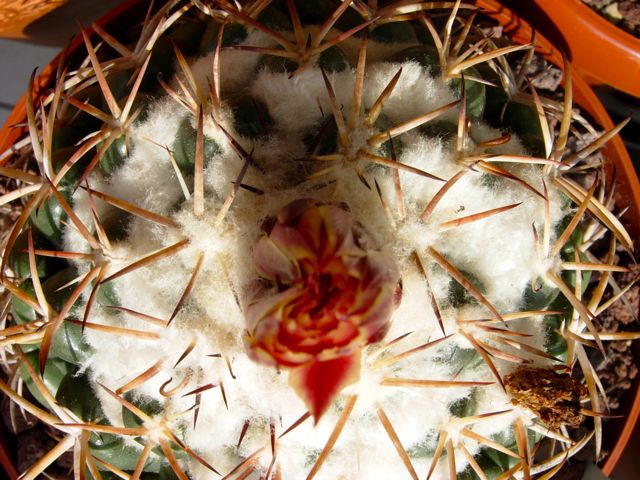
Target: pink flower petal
[(273, 263)]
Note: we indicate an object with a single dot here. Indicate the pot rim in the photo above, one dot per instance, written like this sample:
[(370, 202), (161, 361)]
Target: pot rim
[(13, 27), (11, 131), (602, 51)]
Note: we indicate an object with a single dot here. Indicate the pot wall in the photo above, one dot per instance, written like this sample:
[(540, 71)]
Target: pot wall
[(617, 432)]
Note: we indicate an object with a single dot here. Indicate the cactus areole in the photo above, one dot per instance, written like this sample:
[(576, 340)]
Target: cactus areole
[(308, 239)]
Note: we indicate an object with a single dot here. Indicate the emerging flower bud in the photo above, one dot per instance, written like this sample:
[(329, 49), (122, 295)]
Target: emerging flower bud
[(334, 298)]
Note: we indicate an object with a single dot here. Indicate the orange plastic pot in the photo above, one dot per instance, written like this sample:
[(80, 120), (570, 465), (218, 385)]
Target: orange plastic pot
[(14, 129), (617, 431), (16, 15), (602, 52)]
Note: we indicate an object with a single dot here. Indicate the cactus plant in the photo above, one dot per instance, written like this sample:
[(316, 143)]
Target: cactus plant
[(300, 239)]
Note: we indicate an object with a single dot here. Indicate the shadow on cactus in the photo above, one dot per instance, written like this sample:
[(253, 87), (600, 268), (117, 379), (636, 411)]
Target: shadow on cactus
[(287, 239)]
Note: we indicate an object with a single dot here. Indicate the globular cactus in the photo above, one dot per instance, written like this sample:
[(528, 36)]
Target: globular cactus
[(307, 239)]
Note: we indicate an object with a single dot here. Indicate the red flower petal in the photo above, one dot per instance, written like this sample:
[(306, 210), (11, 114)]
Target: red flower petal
[(319, 383), (331, 297)]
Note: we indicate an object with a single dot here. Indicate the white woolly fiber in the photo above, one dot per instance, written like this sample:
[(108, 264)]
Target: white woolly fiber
[(499, 251)]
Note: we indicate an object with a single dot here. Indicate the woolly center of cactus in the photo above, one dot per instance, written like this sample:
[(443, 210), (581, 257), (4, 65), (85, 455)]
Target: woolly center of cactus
[(213, 307)]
